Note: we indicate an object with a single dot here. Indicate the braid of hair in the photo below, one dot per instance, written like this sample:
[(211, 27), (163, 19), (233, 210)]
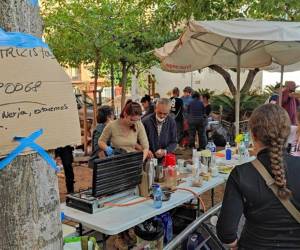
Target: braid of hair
[(277, 165)]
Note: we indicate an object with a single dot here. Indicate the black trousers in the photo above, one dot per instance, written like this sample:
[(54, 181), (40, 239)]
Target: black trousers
[(66, 155), (197, 125), (179, 126)]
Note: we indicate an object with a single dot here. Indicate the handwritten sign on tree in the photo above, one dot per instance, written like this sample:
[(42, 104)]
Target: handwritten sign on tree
[(35, 93)]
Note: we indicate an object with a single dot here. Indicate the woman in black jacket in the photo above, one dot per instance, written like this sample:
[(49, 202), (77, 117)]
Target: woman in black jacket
[(268, 224)]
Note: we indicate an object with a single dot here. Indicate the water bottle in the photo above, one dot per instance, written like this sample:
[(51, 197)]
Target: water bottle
[(246, 140), (213, 149), (157, 196), (208, 146), (196, 159), (228, 152), (242, 150)]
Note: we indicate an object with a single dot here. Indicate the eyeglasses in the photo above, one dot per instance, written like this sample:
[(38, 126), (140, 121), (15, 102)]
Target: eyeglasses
[(162, 113)]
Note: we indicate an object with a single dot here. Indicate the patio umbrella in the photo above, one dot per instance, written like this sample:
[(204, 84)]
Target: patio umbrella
[(232, 44)]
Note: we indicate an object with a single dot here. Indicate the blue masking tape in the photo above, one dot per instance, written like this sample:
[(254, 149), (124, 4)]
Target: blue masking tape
[(28, 142), (45, 156), (33, 2), (19, 149), (20, 40)]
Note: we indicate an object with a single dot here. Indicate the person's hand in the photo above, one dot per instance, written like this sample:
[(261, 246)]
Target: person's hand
[(109, 151), (150, 155), (233, 245), (160, 153), (138, 147), (58, 161)]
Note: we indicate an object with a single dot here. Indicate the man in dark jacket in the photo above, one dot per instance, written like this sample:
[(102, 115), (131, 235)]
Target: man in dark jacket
[(177, 112), (161, 130), (197, 122)]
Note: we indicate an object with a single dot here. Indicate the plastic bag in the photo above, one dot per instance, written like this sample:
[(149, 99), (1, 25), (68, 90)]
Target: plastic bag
[(81, 243), (166, 219)]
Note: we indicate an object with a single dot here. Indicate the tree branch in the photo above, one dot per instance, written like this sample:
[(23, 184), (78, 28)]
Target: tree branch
[(128, 66), (250, 77), (226, 77)]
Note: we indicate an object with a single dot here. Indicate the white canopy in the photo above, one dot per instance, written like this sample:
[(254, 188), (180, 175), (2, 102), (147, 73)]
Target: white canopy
[(232, 44), (274, 67)]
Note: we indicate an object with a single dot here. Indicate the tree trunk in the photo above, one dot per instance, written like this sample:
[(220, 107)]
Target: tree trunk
[(123, 82), (20, 15), (112, 79), (226, 77), (30, 208), (134, 84), (29, 218), (96, 74), (248, 83)]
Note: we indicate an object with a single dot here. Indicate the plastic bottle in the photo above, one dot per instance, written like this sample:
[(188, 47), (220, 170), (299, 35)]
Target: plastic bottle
[(242, 150), (228, 151), (208, 146), (246, 140), (157, 196), (196, 159), (213, 149)]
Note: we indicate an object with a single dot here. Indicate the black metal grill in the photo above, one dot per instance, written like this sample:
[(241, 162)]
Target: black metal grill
[(117, 173)]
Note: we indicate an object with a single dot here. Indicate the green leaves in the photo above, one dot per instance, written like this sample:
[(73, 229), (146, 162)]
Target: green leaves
[(117, 29), (248, 102)]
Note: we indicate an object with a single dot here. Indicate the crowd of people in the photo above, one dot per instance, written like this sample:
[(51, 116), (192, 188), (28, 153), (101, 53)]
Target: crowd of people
[(156, 127), (182, 120)]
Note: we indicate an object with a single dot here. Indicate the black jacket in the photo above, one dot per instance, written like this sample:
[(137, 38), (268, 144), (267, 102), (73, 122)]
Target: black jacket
[(196, 110), (268, 224), (168, 136)]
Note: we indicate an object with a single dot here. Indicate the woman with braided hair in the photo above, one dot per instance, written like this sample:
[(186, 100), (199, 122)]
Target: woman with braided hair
[(268, 224)]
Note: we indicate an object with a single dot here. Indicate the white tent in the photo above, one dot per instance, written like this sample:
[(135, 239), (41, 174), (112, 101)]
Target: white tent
[(232, 44)]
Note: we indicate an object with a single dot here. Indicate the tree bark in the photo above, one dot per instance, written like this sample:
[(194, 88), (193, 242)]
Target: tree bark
[(125, 69), (96, 74), (30, 208), (20, 15), (112, 79), (248, 83), (226, 77), (29, 219), (134, 83)]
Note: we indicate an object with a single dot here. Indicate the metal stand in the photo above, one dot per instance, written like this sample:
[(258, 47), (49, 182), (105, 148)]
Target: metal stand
[(191, 228), (212, 197)]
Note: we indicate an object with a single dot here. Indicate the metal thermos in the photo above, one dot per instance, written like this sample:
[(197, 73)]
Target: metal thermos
[(159, 173), (151, 174)]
